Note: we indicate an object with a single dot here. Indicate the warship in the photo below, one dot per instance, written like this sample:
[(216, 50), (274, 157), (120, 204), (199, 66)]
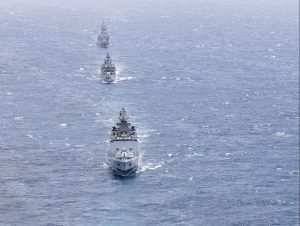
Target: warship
[(108, 70), (103, 37), (123, 154)]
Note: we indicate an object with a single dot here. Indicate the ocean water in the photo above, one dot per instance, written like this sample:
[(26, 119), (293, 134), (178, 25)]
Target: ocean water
[(212, 87)]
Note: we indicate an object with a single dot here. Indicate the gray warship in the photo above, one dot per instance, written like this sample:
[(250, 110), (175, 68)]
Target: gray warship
[(108, 70), (123, 154), (103, 37)]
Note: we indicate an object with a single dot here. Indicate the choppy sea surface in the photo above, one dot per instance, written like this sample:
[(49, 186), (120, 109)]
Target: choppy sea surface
[(212, 87)]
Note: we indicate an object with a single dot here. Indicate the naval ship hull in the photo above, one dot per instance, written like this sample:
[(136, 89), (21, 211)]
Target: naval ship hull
[(123, 157), (109, 78), (124, 167), (103, 43)]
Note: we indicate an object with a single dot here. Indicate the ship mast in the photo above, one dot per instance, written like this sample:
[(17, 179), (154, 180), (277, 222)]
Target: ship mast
[(123, 115)]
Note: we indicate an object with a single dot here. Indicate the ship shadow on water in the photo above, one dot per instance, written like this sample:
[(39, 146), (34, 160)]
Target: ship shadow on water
[(123, 178)]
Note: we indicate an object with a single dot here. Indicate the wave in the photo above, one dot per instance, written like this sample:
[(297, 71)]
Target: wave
[(281, 134), (124, 78), (150, 166)]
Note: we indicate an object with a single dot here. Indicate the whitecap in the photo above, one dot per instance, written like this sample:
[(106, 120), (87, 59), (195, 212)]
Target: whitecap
[(279, 45), (193, 155), (190, 148), (63, 125), (227, 154), (123, 78), (150, 166), (294, 172), (20, 118), (280, 134)]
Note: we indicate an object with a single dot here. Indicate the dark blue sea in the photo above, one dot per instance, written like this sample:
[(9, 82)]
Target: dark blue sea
[(212, 87)]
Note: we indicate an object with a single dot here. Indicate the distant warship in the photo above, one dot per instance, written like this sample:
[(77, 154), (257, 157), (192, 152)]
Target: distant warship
[(108, 70), (103, 37), (123, 155)]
